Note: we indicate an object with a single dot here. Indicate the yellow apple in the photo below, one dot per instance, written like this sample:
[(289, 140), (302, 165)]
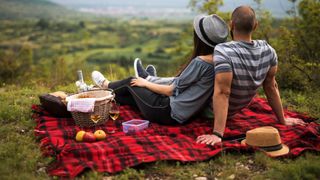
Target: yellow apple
[(100, 134), (79, 136)]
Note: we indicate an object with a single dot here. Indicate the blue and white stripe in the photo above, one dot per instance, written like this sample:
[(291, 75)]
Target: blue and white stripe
[(249, 63)]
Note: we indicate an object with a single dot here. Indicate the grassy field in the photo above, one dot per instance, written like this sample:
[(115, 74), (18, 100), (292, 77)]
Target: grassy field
[(42, 55), (21, 158), (51, 51)]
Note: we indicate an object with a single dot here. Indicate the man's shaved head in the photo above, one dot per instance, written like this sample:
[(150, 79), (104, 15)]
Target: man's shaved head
[(244, 19)]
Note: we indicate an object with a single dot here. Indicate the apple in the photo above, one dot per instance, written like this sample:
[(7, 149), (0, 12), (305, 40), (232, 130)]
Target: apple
[(89, 137), (79, 136), (100, 134)]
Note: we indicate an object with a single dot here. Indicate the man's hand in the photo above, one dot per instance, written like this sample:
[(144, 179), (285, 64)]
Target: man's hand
[(139, 82), (293, 121), (209, 139)]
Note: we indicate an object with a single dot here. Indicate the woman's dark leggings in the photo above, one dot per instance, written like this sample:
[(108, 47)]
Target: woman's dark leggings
[(154, 107)]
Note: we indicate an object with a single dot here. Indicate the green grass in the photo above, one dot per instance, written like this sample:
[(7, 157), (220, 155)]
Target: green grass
[(20, 156), (106, 39), (19, 152), (228, 166), (308, 102)]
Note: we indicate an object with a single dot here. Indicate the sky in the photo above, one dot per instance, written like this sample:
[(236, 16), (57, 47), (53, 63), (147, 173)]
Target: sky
[(277, 7)]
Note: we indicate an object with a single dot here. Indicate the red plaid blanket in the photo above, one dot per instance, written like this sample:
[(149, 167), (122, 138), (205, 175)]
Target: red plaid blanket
[(119, 151)]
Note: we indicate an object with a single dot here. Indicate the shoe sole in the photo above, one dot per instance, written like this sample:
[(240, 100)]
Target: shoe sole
[(135, 67), (155, 71)]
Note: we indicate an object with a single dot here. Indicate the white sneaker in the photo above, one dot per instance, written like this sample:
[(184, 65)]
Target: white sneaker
[(98, 78)]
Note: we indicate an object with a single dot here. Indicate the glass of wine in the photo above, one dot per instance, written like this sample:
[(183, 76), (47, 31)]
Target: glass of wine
[(114, 113)]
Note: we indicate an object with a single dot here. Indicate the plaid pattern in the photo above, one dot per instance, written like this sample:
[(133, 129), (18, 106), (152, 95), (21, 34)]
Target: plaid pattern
[(119, 150)]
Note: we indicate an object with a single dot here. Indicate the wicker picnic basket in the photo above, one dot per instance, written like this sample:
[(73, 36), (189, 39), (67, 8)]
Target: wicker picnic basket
[(101, 108)]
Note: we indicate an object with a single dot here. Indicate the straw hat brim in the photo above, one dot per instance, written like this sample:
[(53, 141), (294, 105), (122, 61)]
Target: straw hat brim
[(283, 151)]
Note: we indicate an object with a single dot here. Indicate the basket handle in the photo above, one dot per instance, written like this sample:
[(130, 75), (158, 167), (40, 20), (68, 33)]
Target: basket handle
[(108, 89), (112, 92), (104, 89)]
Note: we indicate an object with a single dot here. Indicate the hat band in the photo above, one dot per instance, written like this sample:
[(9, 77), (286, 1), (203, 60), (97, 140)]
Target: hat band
[(204, 33), (272, 148)]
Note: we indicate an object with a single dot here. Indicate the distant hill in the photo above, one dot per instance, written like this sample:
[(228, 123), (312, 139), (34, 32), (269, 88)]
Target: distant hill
[(56, 9), (152, 8), (26, 9)]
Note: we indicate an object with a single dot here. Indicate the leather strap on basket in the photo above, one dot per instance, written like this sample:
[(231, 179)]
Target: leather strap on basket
[(95, 118)]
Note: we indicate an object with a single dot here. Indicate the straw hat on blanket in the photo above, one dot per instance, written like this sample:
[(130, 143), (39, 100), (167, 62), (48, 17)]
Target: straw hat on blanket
[(267, 139)]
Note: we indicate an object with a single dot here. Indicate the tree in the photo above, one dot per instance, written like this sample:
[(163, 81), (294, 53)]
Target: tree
[(138, 49), (16, 65), (206, 6), (265, 20), (209, 7), (308, 30), (302, 47), (296, 42), (43, 24), (82, 24)]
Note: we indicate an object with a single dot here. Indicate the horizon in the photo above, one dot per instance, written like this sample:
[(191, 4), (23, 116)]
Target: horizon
[(165, 8)]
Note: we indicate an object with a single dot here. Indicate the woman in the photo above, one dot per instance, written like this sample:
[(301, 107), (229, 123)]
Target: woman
[(150, 73), (188, 93)]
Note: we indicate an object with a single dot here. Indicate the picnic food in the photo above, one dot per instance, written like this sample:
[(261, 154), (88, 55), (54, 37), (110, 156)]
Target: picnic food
[(89, 137), (60, 94), (134, 125), (83, 96), (55, 103), (100, 134), (79, 136), (101, 108), (85, 136)]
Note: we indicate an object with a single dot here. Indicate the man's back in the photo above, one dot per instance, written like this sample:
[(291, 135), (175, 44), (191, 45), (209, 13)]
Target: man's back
[(241, 67), (249, 64)]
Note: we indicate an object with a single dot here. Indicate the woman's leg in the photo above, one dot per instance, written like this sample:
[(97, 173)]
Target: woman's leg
[(160, 80), (123, 96), (119, 87), (150, 73), (154, 107)]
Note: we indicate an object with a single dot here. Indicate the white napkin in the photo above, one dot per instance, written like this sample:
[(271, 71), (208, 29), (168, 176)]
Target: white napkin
[(81, 105)]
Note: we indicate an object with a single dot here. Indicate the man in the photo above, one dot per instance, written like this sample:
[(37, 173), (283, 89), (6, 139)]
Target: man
[(241, 67)]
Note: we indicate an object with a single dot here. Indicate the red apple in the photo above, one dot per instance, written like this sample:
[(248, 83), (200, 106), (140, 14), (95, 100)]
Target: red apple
[(100, 134), (89, 137)]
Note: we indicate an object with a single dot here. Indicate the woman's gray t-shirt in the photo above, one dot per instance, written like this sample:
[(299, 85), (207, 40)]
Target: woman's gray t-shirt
[(192, 89)]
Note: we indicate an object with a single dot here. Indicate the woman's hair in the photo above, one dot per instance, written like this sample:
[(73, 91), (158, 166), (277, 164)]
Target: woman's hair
[(199, 49)]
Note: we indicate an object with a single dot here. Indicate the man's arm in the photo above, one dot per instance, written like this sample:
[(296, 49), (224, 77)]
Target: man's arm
[(271, 90), (270, 87), (222, 90), (157, 88)]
